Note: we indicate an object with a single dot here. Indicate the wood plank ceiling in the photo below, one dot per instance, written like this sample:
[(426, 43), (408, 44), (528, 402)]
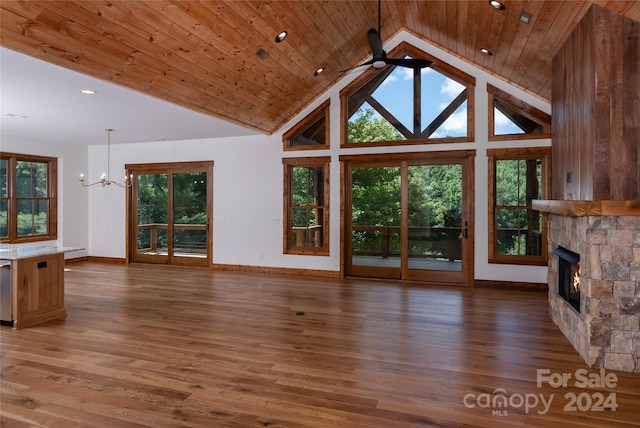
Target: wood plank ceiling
[(202, 54)]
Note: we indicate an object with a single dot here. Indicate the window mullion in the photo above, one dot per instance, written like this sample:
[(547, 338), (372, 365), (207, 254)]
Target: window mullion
[(444, 115), (417, 101), (13, 200), (389, 117)]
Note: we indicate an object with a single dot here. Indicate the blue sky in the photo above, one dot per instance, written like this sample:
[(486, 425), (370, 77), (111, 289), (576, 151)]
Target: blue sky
[(396, 94)]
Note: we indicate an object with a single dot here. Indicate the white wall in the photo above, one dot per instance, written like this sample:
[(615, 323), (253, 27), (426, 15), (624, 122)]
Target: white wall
[(247, 217), (73, 218)]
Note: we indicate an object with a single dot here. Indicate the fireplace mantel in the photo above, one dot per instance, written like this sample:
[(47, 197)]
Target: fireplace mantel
[(588, 208)]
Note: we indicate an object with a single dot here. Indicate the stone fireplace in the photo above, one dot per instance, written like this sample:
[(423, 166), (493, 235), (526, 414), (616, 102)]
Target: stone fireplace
[(595, 184), (605, 328)]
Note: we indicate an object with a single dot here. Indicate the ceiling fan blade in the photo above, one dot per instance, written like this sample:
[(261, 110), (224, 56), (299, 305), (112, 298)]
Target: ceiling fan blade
[(376, 43), (409, 62), (356, 66)]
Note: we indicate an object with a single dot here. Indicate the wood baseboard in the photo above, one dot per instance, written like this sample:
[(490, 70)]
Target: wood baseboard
[(112, 260), (528, 286), (316, 273), (76, 260)]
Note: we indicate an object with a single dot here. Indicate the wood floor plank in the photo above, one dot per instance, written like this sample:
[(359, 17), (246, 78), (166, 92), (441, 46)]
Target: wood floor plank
[(163, 346)]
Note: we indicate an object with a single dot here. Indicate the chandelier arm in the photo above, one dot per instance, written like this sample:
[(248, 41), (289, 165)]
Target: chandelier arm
[(91, 184), (105, 180)]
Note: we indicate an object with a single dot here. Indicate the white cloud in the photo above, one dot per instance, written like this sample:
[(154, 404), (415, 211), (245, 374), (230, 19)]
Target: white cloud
[(405, 73), (451, 89), (399, 74), (427, 70), (455, 125)]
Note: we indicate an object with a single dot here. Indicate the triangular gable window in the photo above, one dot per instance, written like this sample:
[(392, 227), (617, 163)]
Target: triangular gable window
[(312, 132), (397, 105), (512, 119)]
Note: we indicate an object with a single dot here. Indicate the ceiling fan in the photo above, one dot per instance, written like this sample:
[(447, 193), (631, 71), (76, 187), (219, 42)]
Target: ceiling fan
[(380, 59)]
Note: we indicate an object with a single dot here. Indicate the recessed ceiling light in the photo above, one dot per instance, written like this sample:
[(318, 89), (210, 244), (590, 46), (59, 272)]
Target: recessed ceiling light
[(525, 17), (486, 51), (88, 91), (497, 5), (319, 71), (281, 36)]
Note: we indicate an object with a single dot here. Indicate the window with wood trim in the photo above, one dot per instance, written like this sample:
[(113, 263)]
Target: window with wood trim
[(513, 119), (517, 232), (306, 205), (28, 202), (310, 133), (397, 105)]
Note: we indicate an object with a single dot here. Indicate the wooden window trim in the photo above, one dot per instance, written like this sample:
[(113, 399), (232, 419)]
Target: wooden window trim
[(52, 196), (521, 107), (300, 127), (168, 168), (370, 75), (543, 153), (288, 165)]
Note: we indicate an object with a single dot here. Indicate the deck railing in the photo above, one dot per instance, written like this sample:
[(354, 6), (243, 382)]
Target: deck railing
[(425, 242), (190, 246), (307, 236), (430, 242)]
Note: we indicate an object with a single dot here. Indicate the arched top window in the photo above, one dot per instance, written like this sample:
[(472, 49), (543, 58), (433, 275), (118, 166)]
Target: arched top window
[(398, 105)]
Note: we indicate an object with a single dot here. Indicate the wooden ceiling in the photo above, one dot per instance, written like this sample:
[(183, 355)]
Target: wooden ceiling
[(202, 54)]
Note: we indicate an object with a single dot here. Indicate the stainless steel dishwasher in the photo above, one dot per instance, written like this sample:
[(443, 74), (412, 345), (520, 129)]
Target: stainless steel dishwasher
[(6, 311)]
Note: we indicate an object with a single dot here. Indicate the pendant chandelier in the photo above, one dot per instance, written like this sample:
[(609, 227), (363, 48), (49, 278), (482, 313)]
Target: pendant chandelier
[(104, 179)]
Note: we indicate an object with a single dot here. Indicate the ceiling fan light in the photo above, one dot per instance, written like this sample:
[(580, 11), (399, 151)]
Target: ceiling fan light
[(379, 63)]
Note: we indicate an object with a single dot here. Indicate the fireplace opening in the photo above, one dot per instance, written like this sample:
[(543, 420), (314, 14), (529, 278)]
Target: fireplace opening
[(569, 276)]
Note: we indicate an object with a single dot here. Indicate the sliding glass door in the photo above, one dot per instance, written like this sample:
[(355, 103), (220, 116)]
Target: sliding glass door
[(409, 218), (436, 227), (169, 210), (375, 242)]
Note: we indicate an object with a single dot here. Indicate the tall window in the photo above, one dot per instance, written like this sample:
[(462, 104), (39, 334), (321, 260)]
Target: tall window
[(306, 205), (28, 204), (517, 233), (433, 104)]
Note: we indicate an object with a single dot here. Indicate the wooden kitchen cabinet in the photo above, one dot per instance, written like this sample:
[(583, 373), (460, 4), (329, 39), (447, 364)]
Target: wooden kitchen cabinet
[(38, 290)]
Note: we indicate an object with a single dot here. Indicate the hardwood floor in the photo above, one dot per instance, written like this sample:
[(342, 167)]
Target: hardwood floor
[(166, 346)]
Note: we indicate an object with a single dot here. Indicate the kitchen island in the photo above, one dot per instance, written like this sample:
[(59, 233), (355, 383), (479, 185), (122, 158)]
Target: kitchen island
[(32, 291)]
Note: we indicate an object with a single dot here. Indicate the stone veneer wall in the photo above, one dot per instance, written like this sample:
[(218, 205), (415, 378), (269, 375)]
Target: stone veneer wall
[(606, 332)]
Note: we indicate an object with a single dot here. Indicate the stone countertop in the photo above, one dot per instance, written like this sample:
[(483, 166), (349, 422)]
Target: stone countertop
[(29, 250)]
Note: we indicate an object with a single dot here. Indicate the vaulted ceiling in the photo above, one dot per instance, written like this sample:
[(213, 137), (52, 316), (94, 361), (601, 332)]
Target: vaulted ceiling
[(203, 54)]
